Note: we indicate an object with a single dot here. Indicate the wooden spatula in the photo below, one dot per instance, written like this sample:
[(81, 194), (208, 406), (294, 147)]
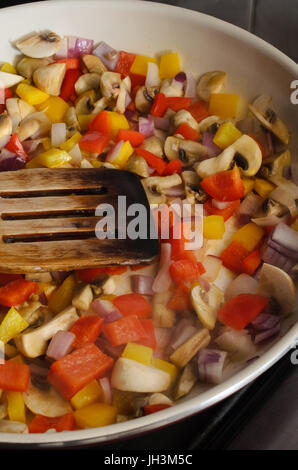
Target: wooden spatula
[(48, 220)]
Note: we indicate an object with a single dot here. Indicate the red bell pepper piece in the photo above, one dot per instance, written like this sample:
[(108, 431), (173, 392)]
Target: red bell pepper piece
[(239, 311), (149, 409), (70, 64), (5, 278), (17, 292), (186, 271), (86, 329), (251, 262), (138, 267), (137, 80), (178, 102), (225, 185), (198, 110), (67, 92), (40, 423), (187, 132), (136, 303), (160, 105), (88, 275), (7, 94), (128, 329), (75, 370), (180, 299), (153, 160), (15, 146), (178, 250), (14, 376), (134, 137), (101, 123), (94, 141), (225, 213), (125, 61), (150, 339), (232, 257), (173, 167), (115, 270)]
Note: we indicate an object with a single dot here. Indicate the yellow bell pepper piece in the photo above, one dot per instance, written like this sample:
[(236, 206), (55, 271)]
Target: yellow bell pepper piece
[(224, 104), (46, 142), (16, 406), (71, 142), (117, 121), (8, 68), (31, 94), (248, 184), (249, 236), (95, 415), (62, 297), (96, 163), (12, 324), (169, 65), (166, 367), (140, 64), (54, 107), (121, 159), (87, 395), (84, 120), (263, 187), (53, 158), (18, 359), (213, 227), (139, 353), (295, 225), (226, 135)]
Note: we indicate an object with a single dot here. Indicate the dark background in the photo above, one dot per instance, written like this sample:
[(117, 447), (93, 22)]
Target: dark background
[(264, 414)]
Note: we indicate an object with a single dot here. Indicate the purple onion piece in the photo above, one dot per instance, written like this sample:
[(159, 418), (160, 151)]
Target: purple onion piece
[(60, 276), (212, 149), (43, 298), (106, 347), (210, 363), (142, 284), (83, 46), (10, 161), (271, 256), (180, 77), (265, 321), (107, 54), (60, 344), (112, 316), (267, 334), (286, 237)]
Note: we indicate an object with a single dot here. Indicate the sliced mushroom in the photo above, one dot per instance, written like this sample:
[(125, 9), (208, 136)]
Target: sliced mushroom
[(286, 198), (138, 165), (45, 402), (187, 151), (34, 343), (244, 152), (184, 353), (276, 283), (186, 381), (209, 124), (49, 78), (27, 66), (94, 64), (193, 190), (13, 426), (275, 166), (210, 82), (71, 121), (83, 298), (27, 129), (206, 304), (154, 145), (8, 80), (184, 116), (169, 89), (156, 186), (86, 82), (18, 110), (110, 84), (121, 99), (100, 105), (31, 312), (132, 376), (34, 125), (144, 98), (85, 103), (40, 45), (5, 125), (269, 119)]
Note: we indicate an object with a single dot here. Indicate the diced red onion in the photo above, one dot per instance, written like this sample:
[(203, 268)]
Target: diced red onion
[(248, 207), (267, 334), (115, 151), (221, 204), (152, 77), (269, 221), (59, 276), (286, 237), (112, 316), (43, 298), (58, 134), (102, 307), (146, 127), (265, 321), (107, 54), (38, 371), (162, 123), (190, 86), (106, 390), (163, 280), (242, 284), (60, 344), (2, 95), (31, 145), (10, 161), (62, 53), (281, 249), (182, 332), (210, 364), (212, 149), (79, 46), (142, 284), (129, 114), (106, 347), (271, 256), (180, 77)]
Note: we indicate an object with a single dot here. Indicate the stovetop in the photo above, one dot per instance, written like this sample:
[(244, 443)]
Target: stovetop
[(262, 415)]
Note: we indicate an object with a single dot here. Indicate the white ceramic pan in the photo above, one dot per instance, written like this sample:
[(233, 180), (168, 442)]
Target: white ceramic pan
[(204, 43)]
